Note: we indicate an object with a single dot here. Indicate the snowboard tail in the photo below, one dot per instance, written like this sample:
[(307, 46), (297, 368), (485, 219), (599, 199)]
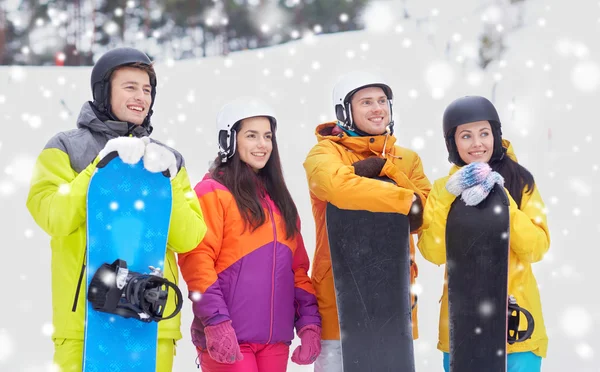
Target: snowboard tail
[(477, 247), (129, 212), (371, 269)]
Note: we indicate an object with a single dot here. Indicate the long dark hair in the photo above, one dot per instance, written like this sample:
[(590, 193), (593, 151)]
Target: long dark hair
[(245, 185), (517, 179)]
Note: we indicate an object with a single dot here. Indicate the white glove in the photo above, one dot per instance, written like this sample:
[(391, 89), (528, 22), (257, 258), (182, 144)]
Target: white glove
[(130, 149), (158, 158)]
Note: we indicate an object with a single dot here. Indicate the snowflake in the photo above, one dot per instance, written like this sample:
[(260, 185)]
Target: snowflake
[(576, 322), (586, 76), (418, 143), (584, 350), (377, 17), (580, 187), (486, 308), (139, 205), (47, 329), (196, 296), (7, 188), (416, 289), (6, 346)]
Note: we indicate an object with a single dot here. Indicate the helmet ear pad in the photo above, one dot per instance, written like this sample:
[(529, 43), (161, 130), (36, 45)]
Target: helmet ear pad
[(102, 89), (227, 140), (340, 113), (224, 139)]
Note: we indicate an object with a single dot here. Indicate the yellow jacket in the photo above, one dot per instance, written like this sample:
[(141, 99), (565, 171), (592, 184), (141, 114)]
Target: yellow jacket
[(57, 202), (529, 241), (331, 178)]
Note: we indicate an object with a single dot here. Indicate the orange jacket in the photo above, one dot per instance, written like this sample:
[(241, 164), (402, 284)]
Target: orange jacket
[(331, 178)]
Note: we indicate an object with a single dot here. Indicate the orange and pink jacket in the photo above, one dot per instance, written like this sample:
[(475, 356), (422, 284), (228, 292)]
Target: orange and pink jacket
[(257, 279)]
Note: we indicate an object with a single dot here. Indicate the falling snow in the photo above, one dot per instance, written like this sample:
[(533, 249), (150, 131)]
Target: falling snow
[(545, 87), (576, 322), (6, 346)]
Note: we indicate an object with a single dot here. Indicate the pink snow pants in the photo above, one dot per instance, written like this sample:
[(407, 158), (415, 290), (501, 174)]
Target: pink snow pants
[(257, 358)]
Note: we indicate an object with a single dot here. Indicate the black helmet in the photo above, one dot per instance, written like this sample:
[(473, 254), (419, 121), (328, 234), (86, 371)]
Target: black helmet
[(470, 109), (103, 70)]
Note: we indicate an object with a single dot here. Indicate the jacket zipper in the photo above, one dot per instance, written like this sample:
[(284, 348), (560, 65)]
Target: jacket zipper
[(273, 273)]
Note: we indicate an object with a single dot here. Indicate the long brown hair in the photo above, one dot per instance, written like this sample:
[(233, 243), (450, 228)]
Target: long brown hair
[(245, 186)]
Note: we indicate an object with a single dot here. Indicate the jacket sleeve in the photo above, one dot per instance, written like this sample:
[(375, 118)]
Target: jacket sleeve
[(307, 311), (187, 221), (57, 195), (416, 180), (432, 238), (198, 266), (420, 180), (331, 180), (529, 235)]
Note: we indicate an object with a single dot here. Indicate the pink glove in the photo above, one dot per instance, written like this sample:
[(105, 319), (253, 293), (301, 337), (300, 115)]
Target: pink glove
[(310, 345), (222, 344)]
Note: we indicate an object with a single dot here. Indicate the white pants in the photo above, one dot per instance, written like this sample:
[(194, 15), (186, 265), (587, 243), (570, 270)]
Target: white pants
[(330, 359)]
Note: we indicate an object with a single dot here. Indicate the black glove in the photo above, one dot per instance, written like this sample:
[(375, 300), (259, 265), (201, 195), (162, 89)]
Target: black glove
[(415, 215), (369, 167)]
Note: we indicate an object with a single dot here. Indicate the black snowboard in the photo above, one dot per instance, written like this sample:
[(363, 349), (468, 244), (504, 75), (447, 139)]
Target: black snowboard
[(477, 239), (371, 271)]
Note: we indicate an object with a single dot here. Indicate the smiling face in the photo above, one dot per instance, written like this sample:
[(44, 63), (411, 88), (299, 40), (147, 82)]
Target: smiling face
[(254, 142), (474, 141), (130, 94), (370, 110)]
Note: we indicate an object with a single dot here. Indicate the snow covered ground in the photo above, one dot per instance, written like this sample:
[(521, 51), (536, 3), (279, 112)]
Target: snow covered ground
[(546, 89)]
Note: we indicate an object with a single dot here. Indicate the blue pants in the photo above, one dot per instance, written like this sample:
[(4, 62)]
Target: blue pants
[(516, 362)]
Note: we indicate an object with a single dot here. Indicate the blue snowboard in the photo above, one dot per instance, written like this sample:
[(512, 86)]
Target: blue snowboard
[(128, 217)]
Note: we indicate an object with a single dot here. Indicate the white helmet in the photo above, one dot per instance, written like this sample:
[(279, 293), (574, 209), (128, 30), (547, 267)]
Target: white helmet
[(349, 84), (234, 111)]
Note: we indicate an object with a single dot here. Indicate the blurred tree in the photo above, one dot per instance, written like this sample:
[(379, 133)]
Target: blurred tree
[(77, 30), (330, 15)]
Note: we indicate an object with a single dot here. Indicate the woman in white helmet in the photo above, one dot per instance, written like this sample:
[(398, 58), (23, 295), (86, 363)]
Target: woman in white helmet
[(248, 278), (341, 168)]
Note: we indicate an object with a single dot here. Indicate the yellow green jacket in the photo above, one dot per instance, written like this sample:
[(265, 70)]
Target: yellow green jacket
[(529, 241), (57, 202)]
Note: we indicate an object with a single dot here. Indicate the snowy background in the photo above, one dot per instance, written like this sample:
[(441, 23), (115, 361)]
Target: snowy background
[(545, 86)]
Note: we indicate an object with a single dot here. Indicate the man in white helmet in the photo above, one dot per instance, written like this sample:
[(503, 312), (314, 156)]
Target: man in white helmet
[(342, 169)]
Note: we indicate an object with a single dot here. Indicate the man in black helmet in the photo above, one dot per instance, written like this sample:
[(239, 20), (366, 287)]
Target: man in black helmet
[(118, 119)]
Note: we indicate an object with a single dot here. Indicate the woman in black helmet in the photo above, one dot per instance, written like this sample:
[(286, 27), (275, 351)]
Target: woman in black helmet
[(481, 157)]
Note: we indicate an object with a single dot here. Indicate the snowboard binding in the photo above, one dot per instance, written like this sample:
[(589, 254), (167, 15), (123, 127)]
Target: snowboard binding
[(514, 314), (116, 290)]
